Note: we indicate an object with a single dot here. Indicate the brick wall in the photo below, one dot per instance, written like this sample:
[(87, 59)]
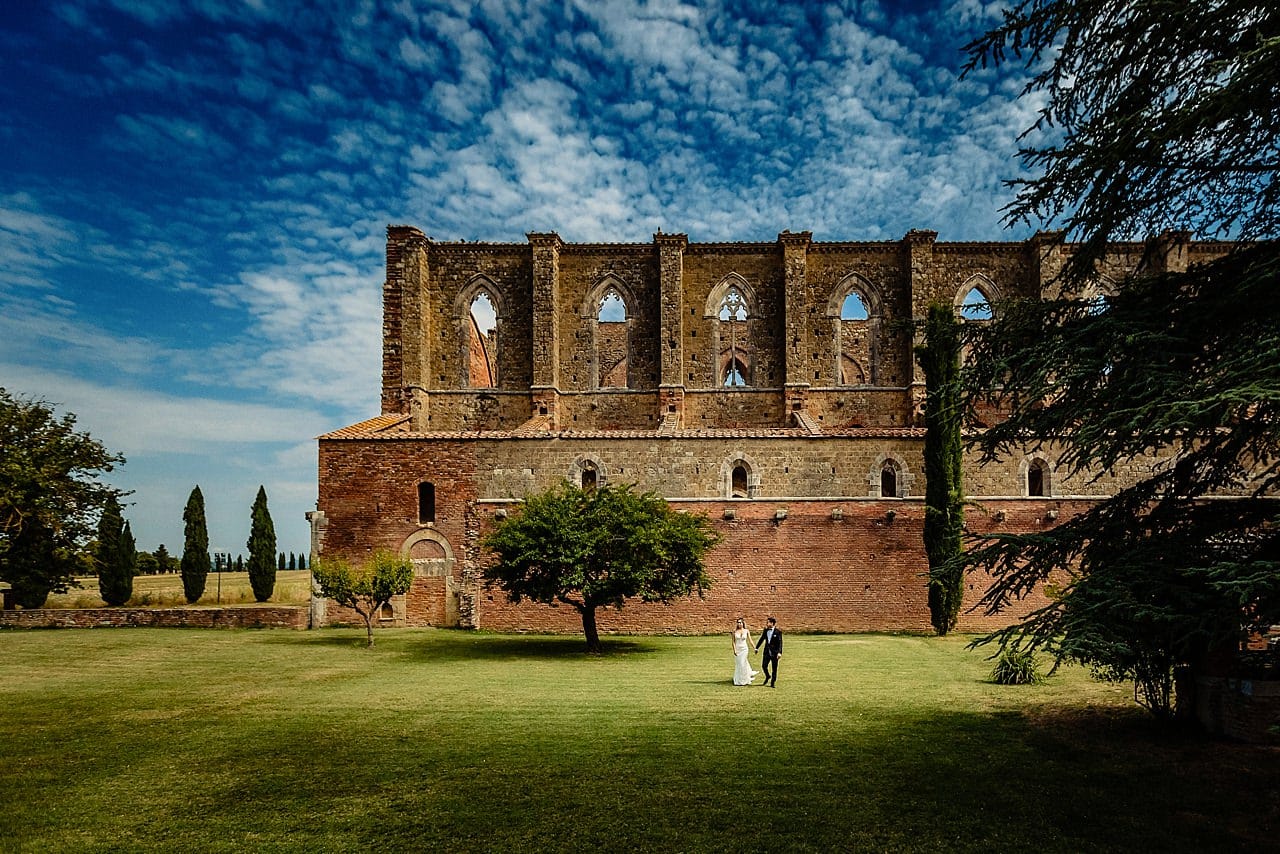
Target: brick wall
[(240, 617), (861, 572)]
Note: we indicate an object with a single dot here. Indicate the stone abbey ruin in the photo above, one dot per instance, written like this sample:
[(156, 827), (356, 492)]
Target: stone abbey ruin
[(771, 386)]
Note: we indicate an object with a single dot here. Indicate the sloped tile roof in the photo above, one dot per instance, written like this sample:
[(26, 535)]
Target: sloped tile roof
[(377, 426), (396, 427)]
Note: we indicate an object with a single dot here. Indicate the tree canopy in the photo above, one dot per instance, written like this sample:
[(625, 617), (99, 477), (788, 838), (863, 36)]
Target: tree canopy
[(365, 589), (50, 496), (600, 547), (1159, 122)]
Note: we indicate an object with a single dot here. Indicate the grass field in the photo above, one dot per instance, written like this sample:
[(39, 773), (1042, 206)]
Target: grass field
[(293, 586), (153, 739)]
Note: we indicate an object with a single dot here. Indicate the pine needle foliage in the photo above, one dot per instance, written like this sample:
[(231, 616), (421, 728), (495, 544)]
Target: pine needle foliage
[(1156, 117)]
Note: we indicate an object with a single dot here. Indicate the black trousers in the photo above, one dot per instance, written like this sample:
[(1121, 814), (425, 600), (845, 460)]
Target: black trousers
[(769, 664)]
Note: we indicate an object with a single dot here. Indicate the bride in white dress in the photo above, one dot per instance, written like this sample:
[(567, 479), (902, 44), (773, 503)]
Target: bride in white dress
[(742, 672)]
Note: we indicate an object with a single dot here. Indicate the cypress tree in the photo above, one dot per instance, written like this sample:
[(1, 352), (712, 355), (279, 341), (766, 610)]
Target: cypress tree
[(280, 562), (943, 457), (195, 550), (116, 556), (262, 549), (293, 561)]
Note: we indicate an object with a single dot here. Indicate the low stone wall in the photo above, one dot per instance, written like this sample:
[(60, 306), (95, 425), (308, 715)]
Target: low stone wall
[(1240, 709), (240, 617)]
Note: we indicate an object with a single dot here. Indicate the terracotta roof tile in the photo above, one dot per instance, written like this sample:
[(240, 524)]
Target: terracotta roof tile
[(396, 427), (378, 426)]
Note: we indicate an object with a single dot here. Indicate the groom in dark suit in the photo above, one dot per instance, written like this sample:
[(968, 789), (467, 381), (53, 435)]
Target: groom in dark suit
[(772, 640)]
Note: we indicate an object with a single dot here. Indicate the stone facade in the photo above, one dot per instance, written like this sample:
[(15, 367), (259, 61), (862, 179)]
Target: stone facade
[(771, 386)]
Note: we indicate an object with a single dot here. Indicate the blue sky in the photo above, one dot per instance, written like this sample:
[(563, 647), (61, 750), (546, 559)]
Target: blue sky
[(194, 194)]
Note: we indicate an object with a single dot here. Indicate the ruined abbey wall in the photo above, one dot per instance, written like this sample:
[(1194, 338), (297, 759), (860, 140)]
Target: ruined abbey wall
[(731, 385)]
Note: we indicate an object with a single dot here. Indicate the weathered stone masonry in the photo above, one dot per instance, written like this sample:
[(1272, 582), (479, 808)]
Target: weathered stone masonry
[(769, 385)]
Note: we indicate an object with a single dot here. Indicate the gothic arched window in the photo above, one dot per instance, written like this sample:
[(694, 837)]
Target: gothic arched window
[(613, 344), (482, 352), (975, 305), (735, 358)]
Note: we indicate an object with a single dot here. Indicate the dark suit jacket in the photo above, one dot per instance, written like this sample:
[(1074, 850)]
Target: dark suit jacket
[(775, 642)]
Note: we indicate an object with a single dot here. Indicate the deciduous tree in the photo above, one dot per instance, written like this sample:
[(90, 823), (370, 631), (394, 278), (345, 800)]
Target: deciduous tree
[(365, 589), (50, 496), (594, 548), (1155, 119)]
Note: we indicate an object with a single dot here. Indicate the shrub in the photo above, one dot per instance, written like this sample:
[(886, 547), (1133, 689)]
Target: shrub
[(1016, 667)]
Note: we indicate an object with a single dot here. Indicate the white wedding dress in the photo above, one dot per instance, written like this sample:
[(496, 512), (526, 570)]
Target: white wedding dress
[(742, 672)]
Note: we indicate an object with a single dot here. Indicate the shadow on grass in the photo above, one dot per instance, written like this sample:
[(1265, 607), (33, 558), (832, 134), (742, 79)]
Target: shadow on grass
[(959, 782), (459, 644)]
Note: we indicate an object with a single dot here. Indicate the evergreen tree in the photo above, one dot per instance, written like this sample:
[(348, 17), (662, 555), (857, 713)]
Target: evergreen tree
[(167, 562), (195, 550), (302, 561), (262, 549), (293, 561), (1156, 118), (116, 556), (280, 562), (239, 563), (939, 357)]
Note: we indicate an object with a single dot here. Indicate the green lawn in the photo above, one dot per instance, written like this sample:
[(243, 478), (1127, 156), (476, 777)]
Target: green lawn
[(153, 739)]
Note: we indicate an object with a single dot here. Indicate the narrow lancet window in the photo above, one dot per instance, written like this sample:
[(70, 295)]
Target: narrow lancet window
[(426, 503), (735, 362), (483, 350)]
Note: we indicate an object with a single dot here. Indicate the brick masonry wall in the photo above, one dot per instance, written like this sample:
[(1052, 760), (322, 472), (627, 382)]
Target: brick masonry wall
[(856, 573), (240, 617), (862, 572)]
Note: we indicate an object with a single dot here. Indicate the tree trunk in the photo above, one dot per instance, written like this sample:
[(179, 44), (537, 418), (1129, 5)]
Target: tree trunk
[(589, 629), (368, 622)]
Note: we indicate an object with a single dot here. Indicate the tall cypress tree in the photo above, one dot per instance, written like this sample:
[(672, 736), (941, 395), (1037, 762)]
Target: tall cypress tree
[(943, 457), (262, 549), (115, 557), (195, 549)]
